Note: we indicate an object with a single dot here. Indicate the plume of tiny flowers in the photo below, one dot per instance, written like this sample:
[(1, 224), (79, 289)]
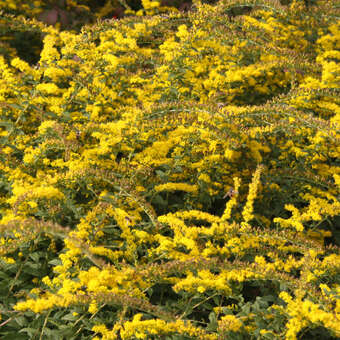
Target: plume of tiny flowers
[(233, 199), (247, 212)]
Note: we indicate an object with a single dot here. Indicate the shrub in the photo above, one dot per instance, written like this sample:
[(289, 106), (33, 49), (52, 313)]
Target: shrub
[(174, 176)]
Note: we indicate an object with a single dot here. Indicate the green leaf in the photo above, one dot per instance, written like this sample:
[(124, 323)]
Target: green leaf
[(69, 317), (35, 257), (55, 262), (20, 320), (29, 331)]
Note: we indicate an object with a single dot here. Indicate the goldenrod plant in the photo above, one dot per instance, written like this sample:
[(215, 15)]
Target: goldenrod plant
[(173, 174)]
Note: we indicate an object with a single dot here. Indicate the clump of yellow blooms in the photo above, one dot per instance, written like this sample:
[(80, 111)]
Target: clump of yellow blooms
[(181, 169), (230, 323)]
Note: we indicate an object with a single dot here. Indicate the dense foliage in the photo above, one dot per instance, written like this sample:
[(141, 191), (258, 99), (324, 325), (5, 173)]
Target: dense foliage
[(172, 175)]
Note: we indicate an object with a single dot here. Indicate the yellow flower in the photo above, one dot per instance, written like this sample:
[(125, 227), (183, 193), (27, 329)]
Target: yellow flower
[(230, 323), (177, 186), (247, 212)]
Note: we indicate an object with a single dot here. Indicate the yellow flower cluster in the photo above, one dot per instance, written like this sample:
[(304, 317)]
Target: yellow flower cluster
[(177, 186), (185, 167), (303, 312), (230, 323), (143, 329)]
